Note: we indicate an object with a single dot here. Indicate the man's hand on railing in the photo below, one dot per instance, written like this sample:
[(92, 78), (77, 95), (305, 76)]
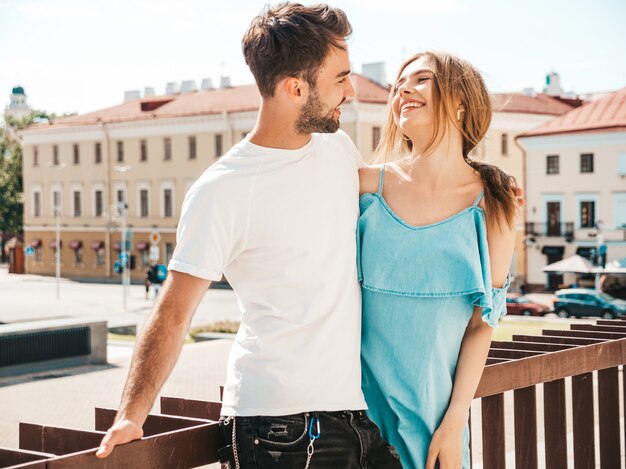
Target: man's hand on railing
[(121, 432)]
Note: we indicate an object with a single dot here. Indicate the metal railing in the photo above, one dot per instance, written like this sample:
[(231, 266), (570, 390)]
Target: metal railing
[(550, 229), (184, 435)]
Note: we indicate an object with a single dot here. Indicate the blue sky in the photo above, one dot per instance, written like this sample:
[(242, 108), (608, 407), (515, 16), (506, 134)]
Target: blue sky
[(78, 56)]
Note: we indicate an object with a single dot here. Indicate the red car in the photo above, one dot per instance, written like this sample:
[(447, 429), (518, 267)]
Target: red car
[(525, 307)]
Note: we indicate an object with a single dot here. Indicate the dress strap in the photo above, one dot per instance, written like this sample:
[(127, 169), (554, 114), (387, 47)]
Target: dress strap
[(381, 180), (480, 196)]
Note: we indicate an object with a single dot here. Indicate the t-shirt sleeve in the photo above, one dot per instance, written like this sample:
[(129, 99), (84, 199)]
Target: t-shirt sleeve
[(351, 149), (210, 231)]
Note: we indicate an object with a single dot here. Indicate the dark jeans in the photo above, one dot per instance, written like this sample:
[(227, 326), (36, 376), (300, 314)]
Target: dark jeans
[(348, 440)]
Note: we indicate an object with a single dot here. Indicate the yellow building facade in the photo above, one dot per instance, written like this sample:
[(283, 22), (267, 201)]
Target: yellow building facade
[(147, 153)]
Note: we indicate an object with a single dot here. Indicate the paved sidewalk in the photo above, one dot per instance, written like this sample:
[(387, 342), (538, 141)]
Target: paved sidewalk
[(67, 397), (33, 297)]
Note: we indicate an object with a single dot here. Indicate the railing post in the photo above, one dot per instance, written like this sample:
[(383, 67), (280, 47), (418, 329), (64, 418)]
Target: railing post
[(493, 432), (608, 391), (555, 430), (525, 410), (582, 413)]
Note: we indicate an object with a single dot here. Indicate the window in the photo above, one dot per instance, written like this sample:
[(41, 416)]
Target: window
[(35, 155), (167, 202), (143, 202), (552, 164), (120, 199), (192, 147), (476, 153), (78, 255), (98, 203), (144, 257), (100, 256), (98, 153), (37, 204), (375, 137), (38, 256), (587, 214), (586, 163), (169, 252), (504, 144), (619, 210), (120, 152), (76, 154), (77, 203), (219, 145), (167, 148), (56, 203), (621, 164), (143, 150), (55, 155)]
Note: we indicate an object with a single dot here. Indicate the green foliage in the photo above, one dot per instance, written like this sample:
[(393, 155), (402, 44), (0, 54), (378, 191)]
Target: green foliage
[(11, 186), (11, 181)]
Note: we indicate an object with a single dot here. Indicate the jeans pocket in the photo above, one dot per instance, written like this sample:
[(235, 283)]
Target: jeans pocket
[(284, 431)]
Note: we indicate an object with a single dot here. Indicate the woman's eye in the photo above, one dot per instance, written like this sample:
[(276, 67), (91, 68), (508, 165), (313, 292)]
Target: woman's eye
[(423, 79)]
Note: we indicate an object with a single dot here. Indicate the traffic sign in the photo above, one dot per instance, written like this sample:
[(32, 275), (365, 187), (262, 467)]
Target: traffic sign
[(155, 237)]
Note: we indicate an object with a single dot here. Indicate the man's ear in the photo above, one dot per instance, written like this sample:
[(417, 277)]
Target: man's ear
[(294, 88)]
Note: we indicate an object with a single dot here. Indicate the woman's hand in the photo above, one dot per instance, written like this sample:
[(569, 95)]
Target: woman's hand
[(447, 447)]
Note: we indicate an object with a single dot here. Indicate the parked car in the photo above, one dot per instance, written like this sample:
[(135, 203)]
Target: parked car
[(522, 305), (586, 302)]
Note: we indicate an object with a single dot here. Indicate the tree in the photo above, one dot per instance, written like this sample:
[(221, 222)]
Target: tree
[(11, 186), (11, 181)]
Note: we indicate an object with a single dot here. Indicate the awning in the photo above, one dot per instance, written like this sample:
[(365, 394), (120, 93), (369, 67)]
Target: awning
[(553, 250), (76, 244), (97, 245), (141, 246), (574, 264), (117, 246), (35, 243), (53, 243), (586, 252)]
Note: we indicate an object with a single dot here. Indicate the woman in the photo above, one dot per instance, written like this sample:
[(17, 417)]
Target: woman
[(436, 241)]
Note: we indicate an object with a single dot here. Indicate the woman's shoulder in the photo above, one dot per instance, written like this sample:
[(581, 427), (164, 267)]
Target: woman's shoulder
[(369, 179)]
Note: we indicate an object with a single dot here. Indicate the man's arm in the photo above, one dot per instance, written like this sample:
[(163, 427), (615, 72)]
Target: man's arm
[(155, 355)]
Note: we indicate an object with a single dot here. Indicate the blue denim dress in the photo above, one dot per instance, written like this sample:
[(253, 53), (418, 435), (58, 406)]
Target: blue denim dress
[(420, 285)]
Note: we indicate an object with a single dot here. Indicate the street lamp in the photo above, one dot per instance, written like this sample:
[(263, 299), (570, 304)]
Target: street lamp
[(57, 215), (122, 205)]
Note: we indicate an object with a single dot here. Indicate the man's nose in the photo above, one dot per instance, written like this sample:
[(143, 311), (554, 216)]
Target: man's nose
[(349, 91)]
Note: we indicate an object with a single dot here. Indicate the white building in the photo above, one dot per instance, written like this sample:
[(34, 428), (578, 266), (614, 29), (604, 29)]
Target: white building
[(18, 108), (576, 187)]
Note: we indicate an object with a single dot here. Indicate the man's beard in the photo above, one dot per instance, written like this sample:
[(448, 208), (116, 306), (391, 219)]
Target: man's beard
[(314, 119)]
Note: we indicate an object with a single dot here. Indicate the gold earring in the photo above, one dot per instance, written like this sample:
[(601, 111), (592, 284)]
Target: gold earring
[(458, 114), (405, 138)]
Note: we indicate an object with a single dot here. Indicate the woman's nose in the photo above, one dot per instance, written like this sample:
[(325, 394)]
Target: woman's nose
[(405, 89)]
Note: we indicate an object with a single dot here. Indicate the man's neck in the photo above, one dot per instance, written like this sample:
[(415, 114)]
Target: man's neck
[(276, 129)]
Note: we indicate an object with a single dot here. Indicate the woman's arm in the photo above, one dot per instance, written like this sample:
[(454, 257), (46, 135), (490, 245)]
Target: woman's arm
[(447, 442), (369, 178)]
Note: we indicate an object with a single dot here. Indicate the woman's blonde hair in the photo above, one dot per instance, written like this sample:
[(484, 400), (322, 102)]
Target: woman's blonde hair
[(455, 81)]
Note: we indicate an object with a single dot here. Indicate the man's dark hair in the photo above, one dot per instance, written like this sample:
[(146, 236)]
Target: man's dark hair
[(292, 40)]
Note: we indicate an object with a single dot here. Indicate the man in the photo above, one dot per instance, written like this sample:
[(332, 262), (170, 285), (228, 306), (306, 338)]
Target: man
[(277, 215)]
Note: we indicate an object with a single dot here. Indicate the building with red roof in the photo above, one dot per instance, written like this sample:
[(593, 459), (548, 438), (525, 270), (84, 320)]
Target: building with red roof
[(148, 152), (576, 187)]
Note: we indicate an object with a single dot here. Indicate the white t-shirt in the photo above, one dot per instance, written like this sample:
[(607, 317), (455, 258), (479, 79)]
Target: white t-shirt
[(281, 226)]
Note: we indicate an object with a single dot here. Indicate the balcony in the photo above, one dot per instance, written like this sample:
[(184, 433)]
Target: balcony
[(550, 229), (537, 369)]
